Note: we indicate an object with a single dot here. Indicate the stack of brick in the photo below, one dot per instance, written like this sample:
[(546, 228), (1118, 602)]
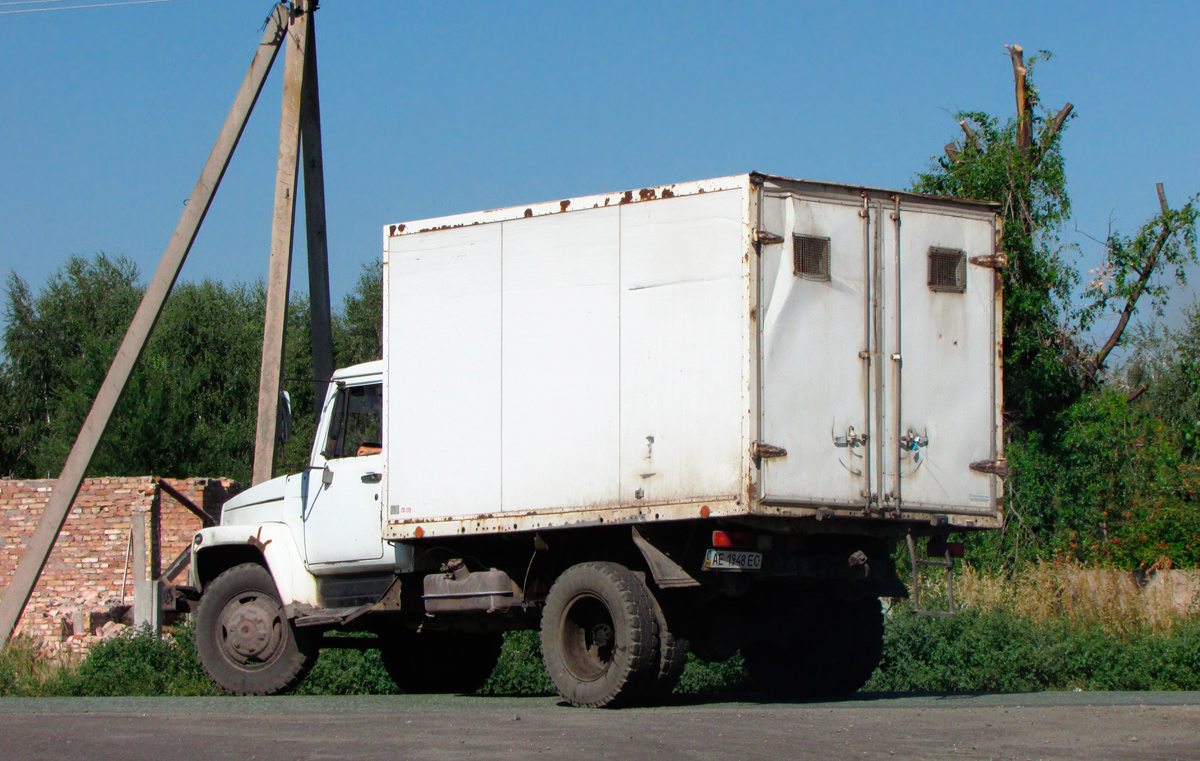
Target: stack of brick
[(90, 569)]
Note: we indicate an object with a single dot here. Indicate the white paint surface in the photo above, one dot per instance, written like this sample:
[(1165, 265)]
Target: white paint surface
[(604, 353), (561, 354)]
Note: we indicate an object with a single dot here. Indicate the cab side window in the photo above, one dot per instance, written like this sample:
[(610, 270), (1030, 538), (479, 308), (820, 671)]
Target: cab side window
[(356, 426)]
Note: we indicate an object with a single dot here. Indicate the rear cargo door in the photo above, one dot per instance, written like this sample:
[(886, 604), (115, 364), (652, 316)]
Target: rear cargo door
[(939, 363), (814, 322)]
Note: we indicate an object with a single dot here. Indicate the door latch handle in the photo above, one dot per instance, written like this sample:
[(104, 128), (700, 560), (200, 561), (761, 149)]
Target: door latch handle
[(912, 441), (371, 478), (851, 439)]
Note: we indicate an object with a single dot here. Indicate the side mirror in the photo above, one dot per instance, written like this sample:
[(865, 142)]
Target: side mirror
[(327, 476), (283, 425)]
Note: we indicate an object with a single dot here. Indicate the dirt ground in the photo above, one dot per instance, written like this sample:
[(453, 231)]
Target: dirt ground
[(1076, 725)]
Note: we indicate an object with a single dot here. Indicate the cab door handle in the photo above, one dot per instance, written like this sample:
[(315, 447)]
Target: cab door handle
[(371, 478)]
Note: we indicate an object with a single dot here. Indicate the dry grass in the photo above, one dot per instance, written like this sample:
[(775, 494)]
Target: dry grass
[(1113, 599), (27, 669)]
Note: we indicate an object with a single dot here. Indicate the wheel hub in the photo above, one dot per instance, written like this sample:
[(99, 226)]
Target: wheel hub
[(588, 636), (251, 630), (602, 635)]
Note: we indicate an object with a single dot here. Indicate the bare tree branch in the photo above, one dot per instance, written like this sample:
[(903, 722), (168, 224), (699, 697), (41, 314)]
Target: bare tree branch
[(1147, 269), (1051, 130), (1024, 136), (1102, 243), (972, 138)]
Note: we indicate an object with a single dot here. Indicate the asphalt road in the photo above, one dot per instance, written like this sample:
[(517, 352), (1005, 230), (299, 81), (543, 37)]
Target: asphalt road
[(1132, 725)]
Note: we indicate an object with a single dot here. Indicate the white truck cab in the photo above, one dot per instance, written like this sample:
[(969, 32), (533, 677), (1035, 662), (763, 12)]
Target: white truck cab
[(328, 517)]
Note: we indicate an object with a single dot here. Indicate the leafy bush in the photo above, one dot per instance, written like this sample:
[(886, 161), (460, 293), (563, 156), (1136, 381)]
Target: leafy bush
[(138, 663), (1113, 485), (520, 671), (341, 671), (713, 677), (1000, 651)]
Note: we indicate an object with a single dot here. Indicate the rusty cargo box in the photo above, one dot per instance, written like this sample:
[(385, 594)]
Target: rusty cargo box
[(750, 345)]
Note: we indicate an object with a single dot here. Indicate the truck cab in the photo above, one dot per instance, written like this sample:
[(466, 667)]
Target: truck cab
[(327, 518)]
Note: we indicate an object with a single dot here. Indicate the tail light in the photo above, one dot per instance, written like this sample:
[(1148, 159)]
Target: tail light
[(732, 539)]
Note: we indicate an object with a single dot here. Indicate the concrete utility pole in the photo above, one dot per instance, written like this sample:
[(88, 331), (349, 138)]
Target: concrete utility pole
[(314, 223), (300, 120), (279, 277), (294, 25)]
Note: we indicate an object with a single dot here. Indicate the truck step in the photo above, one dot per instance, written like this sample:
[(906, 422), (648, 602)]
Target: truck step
[(330, 616), (944, 562)]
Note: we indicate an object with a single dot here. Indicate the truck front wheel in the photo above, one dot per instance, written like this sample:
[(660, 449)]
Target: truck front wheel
[(243, 638), (599, 635)]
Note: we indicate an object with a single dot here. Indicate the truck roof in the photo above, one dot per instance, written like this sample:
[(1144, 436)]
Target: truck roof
[(669, 191), (374, 367)]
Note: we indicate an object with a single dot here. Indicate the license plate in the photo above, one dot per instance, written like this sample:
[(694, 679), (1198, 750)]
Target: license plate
[(732, 560)]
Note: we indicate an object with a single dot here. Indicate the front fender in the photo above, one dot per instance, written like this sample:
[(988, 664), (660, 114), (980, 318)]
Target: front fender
[(276, 545)]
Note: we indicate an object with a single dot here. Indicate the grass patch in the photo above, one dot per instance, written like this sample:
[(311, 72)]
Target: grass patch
[(1108, 598), (25, 670), (1047, 628), (1004, 651)]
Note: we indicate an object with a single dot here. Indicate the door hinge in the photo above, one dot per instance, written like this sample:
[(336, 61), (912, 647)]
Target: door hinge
[(760, 451), (996, 261), (764, 238), (992, 467)]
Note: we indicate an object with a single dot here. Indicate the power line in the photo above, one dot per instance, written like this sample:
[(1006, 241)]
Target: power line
[(74, 7), (34, 2)]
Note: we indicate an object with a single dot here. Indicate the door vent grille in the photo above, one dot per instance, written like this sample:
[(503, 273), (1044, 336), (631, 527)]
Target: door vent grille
[(947, 270), (811, 257)]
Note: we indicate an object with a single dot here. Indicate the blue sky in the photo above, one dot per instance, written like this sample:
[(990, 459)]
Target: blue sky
[(107, 114)]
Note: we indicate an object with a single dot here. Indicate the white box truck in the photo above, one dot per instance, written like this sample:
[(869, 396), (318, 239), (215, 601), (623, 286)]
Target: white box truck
[(697, 417)]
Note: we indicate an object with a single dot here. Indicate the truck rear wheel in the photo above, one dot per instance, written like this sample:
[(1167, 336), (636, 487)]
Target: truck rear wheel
[(672, 654), (441, 661), (244, 640), (819, 648), (599, 635)]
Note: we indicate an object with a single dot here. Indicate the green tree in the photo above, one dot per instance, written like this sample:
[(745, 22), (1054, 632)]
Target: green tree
[(1003, 161), (1132, 272), (60, 340), (358, 328), (189, 406), (1093, 475), (1164, 372)]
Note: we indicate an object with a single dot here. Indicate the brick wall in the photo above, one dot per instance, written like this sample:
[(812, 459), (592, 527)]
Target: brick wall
[(82, 579)]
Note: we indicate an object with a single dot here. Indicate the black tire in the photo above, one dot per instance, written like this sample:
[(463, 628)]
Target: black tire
[(244, 640), (818, 649), (440, 661), (599, 635), (672, 655)]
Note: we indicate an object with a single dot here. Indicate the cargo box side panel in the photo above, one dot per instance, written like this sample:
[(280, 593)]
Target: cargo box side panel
[(561, 375), (443, 373), (684, 326)]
